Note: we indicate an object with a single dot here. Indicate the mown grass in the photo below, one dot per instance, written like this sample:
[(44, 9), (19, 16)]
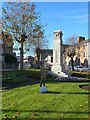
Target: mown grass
[(14, 74), (63, 100), (17, 75)]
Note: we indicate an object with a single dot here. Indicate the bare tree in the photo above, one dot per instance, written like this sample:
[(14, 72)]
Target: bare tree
[(40, 42), (70, 51), (20, 19)]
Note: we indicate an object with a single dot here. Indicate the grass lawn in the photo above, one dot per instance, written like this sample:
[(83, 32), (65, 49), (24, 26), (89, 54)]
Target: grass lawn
[(63, 100), (19, 74)]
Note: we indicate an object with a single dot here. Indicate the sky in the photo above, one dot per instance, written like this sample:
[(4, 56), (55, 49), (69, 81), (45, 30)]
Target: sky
[(69, 17)]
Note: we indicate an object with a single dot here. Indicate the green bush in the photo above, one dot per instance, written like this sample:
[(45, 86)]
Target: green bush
[(34, 74), (83, 75), (10, 58)]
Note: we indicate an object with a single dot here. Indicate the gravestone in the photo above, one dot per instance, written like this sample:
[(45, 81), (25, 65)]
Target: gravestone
[(57, 67)]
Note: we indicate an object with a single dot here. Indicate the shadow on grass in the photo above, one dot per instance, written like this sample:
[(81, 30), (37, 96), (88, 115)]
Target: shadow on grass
[(56, 92), (11, 85), (47, 111)]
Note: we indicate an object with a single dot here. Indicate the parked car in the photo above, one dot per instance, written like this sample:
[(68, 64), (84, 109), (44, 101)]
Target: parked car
[(86, 69), (79, 68)]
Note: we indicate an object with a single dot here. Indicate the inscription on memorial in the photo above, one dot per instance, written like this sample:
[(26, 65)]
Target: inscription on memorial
[(56, 57)]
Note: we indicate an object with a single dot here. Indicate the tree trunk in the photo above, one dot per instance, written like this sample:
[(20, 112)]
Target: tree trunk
[(72, 64), (21, 56), (38, 57), (3, 47), (38, 64)]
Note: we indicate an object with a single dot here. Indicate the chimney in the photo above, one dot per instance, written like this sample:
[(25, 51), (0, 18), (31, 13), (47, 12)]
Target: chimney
[(80, 39)]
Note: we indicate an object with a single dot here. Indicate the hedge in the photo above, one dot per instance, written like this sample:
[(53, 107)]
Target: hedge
[(10, 58)]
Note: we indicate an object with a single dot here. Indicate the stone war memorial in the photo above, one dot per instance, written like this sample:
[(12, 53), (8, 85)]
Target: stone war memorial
[(57, 67)]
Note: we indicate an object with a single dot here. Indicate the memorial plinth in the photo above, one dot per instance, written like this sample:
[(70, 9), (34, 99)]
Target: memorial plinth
[(57, 67)]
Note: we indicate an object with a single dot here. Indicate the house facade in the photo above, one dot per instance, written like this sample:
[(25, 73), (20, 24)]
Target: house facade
[(47, 55), (7, 45), (82, 53), (6, 48)]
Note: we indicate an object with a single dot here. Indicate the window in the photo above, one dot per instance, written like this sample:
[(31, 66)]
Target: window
[(83, 54), (51, 59), (56, 35)]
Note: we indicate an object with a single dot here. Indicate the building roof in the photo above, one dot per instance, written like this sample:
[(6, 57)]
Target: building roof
[(84, 41), (51, 50), (79, 44)]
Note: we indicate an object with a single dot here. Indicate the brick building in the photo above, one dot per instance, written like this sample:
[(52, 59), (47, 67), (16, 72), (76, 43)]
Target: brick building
[(7, 45), (6, 48)]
